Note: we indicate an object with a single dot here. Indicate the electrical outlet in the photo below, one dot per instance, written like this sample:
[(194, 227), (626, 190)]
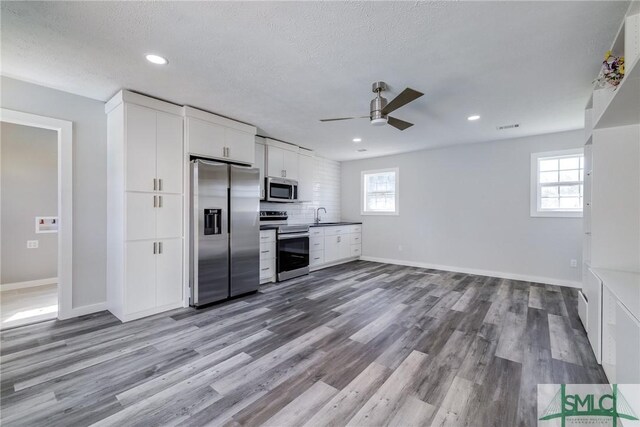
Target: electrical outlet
[(574, 263), (32, 244)]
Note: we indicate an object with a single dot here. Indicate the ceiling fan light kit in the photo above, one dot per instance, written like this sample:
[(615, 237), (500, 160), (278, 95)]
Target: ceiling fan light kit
[(379, 108)]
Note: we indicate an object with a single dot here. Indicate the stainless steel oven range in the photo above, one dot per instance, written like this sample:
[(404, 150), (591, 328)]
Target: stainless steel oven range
[(292, 251)]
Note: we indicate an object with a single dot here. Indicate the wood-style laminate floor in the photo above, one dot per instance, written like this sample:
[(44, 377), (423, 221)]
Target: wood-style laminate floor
[(358, 344)]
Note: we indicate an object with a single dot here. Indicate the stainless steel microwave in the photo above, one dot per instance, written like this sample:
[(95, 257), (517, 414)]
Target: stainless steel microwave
[(281, 190)]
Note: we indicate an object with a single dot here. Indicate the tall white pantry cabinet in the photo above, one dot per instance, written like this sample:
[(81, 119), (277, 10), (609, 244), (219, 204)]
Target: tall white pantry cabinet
[(144, 205)]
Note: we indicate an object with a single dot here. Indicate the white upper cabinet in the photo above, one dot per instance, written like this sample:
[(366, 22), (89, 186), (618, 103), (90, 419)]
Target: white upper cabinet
[(154, 150), (217, 137), (290, 164), (140, 148), (240, 145), (259, 163), (205, 139), (306, 166), (282, 162), (169, 153)]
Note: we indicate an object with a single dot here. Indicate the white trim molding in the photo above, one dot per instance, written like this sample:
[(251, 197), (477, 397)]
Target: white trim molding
[(478, 272), (28, 284), (363, 195), (535, 210), (64, 129)]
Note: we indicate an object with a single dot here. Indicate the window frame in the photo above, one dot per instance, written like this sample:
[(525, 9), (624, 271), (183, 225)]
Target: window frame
[(363, 193), (536, 185)]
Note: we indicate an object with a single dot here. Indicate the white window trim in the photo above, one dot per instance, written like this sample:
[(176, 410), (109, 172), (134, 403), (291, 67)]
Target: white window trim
[(397, 191), (535, 187)]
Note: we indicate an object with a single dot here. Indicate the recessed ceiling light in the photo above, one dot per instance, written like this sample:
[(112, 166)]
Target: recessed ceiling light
[(156, 59), (357, 139), (472, 118)]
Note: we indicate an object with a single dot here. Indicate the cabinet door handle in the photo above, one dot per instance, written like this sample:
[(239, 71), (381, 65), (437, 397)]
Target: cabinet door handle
[(316, 258), (159, 247), (155, 201), (264, 252), (155, 248), (160, 204), (264, 269), (285, 173), (160, 184), (339, 239), (228, 152), (155, 184)]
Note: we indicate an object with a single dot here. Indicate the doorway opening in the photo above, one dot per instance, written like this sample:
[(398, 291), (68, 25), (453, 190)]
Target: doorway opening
[(29, 224), (35, 219)]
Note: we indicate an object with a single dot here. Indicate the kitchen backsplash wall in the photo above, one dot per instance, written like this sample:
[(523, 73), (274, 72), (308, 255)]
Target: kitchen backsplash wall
[(326, 193)]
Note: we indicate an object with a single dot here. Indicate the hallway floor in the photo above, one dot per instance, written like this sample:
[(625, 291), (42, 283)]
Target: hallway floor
[(30, 305)]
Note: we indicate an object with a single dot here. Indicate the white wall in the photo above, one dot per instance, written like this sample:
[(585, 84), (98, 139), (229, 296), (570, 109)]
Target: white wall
[(466, 208), (89, 178), (29, 177), (326, 193)]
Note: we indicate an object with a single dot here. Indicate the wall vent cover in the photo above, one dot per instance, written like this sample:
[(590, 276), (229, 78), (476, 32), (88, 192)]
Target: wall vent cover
[(513, 126)]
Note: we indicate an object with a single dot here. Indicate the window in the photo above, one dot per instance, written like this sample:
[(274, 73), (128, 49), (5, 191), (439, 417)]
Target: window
[(380, 192), (557, 187)]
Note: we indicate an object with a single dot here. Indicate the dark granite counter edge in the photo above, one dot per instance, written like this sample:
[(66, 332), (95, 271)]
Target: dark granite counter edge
[(274, 227)]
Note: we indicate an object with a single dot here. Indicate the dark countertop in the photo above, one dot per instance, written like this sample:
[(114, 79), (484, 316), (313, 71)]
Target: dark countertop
[(268, 227), (325, 224), (333, 224)]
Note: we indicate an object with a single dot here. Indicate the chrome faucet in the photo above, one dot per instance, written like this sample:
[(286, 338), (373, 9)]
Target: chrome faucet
[(318, 214)]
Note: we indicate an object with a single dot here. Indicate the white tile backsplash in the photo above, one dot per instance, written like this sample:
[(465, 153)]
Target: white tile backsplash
[(326, 193)]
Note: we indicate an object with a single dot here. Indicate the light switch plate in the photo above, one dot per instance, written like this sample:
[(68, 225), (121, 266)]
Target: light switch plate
[(32, 244)]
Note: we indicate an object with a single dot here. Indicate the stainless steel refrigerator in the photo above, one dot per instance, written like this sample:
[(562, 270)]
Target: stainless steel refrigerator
[(225, 231)]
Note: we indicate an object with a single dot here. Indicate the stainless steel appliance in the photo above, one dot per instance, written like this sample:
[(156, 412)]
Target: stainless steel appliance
[(281, 190), (225, 231), (292, 251)]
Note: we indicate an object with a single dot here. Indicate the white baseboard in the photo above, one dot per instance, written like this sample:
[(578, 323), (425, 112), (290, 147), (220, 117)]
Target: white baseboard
[(28, 284), (84, 310), (499, 274)]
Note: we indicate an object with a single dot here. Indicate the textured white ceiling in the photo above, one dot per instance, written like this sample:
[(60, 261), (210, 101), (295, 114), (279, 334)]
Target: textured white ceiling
[(283, 65)]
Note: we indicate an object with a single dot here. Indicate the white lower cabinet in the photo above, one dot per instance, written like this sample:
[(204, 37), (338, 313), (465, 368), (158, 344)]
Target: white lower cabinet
[(153, 275), (168, 272), (316, 258), (140, 281), (267, 256), (593, 292), (627, 346), (620, 341), (617, 326), (334, 244)]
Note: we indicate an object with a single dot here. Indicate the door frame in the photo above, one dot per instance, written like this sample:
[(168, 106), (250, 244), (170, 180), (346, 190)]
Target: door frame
[(64, 129)]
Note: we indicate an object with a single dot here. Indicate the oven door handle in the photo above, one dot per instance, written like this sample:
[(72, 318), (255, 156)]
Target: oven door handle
[(292, 236)]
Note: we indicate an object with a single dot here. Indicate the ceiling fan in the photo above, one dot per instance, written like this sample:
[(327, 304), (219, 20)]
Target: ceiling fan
[(380, 109)]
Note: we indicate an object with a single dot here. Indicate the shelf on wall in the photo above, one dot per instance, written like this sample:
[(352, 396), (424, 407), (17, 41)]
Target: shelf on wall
[(624, 106)]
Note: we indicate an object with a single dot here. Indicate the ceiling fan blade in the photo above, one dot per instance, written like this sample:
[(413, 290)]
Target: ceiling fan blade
[(343, 118), (398, 124), (404, 98)]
